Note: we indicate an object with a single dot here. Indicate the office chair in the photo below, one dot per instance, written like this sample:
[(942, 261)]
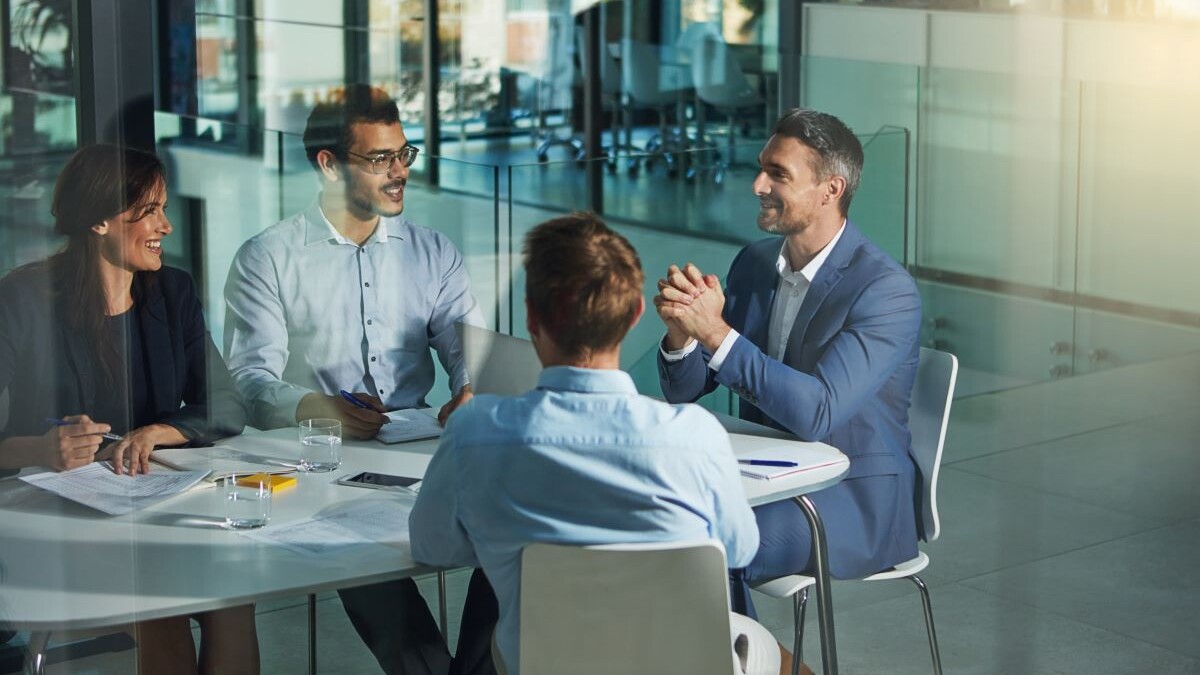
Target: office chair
[(553, 88), (650, 83), (928, 416), (721, 83), (627, 608)]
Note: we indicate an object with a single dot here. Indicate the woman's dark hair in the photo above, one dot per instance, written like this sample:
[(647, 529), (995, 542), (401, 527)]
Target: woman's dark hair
[(98, 183)]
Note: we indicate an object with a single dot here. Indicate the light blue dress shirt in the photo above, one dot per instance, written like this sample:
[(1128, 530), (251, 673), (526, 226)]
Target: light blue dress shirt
[(583, 459), (310, 311)]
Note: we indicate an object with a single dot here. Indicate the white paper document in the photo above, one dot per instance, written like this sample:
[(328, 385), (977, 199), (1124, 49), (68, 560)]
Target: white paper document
[(799, 456), (356, 523), (410, 425), (96, 486), (221, 460)]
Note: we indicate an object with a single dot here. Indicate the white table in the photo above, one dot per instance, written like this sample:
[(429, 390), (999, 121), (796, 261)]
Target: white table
[(65, 567), (829, 466)]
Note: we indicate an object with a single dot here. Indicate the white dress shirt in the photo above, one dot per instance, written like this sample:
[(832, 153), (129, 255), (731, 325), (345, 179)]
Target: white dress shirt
[(311, 311), (789, 296)]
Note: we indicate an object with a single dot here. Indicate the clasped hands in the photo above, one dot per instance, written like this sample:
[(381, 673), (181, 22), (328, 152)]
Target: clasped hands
[(690, 303)]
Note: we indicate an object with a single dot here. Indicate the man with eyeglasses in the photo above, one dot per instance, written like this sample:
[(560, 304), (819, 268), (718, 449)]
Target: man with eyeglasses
[(348, 295)]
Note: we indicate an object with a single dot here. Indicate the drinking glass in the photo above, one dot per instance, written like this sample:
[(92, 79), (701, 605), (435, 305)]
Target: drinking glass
[(247, 501), (320, 445)]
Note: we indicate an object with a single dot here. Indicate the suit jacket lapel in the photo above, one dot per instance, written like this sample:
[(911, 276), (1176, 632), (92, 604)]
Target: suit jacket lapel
[(156, 348), (827, 277)]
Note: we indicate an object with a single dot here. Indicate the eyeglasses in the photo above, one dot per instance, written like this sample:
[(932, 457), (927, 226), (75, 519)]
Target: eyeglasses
[(383, 162)]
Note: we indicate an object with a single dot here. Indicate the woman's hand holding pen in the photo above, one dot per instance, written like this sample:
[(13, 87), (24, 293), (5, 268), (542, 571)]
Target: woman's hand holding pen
[(135, 447), (73, 444)]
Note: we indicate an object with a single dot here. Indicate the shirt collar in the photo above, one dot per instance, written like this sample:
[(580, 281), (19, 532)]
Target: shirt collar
[(809, 271), (586, 380), (318, 229)]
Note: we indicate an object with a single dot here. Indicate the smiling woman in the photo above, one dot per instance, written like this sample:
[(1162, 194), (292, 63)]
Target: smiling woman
[(103, 338)]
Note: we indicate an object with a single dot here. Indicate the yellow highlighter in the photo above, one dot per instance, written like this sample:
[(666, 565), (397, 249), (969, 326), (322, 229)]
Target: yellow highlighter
[(277, 482)]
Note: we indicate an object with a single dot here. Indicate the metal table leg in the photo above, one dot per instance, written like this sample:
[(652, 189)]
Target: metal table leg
[(312, 634), (820, 557), (35, 659), (441, 577)]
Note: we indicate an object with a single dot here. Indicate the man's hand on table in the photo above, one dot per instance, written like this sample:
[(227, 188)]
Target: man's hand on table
[(357, 423)]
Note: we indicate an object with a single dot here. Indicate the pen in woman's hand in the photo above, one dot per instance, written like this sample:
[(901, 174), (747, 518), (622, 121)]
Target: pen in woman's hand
[(61, 423)]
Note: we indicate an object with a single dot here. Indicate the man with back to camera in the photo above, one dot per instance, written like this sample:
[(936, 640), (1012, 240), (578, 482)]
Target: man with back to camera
[(582, 459), (348, 295), (817, 333)]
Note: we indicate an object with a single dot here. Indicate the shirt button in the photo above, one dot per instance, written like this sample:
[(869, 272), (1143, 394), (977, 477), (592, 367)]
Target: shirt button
[(372, 359), (368, 322), (367, 284), (795, 293), (381, 392)]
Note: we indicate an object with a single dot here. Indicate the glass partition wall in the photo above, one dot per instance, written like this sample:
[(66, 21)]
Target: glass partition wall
[(1036, 184)]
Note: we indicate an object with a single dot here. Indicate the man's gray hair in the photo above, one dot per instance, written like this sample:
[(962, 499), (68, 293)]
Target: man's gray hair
[(838, 151)]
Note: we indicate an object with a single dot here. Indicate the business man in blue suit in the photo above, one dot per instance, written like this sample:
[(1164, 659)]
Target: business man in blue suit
[(816, 331)]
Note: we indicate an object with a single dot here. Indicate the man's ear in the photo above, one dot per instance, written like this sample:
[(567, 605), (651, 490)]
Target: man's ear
[(101, 228), (837, 188), (640, 311), (331, 169), (531, 319)]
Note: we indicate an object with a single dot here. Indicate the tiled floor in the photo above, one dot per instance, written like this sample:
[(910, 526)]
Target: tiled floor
[(1070, 535)]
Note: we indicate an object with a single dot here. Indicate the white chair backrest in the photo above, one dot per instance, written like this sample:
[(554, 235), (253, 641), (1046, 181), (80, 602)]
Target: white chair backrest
[(610, 72), (696, 31), (629, 608), (928, 417), (718, 78), (558, 71), (646, 79)]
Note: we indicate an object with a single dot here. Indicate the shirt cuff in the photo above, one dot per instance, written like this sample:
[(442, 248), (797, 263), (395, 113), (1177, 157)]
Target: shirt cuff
[(677, 354), (287, 400), (718, 357)]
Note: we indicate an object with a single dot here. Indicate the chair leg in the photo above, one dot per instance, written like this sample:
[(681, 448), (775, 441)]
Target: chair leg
[(933, 643), (801, 603), (35, 660)]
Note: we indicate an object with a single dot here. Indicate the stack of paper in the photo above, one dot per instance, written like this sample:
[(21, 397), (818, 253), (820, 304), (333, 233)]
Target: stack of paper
[(410, 425), (220, 461), (96, 486), (377, 522), (781, 453)]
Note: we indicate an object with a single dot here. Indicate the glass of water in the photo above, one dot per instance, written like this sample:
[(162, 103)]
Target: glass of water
[(320, 445), (247, 501)]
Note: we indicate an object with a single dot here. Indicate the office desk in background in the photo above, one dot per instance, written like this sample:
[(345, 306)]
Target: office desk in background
[(64, 566)]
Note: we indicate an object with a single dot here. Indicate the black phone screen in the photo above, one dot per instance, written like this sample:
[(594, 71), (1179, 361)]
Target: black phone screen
[(384, 479)]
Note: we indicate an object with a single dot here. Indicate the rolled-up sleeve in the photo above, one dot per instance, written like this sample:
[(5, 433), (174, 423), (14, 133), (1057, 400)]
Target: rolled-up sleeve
[(454, 303)]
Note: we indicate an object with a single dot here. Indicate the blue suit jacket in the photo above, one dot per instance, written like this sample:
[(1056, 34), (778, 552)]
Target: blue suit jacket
[(845, 379)]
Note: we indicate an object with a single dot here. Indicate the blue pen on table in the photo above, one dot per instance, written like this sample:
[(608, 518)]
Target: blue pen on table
[(58, 423), (767, 462), (354, 400)]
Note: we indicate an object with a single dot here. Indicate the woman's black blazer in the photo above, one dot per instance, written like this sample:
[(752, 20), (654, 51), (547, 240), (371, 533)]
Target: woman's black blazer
[(50, 371)]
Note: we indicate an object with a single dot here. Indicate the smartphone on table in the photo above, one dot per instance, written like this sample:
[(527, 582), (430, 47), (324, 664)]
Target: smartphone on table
[(381, 481)]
